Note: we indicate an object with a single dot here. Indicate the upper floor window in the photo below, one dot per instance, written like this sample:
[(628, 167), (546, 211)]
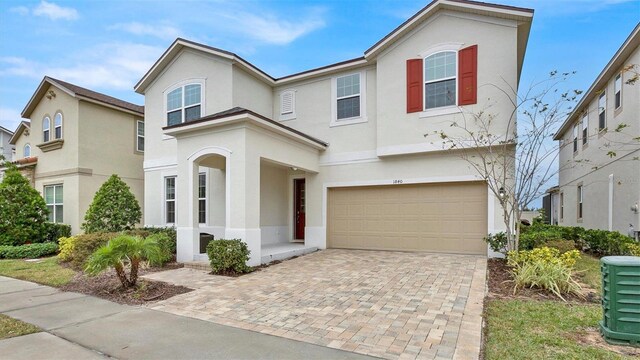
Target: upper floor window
[(46, 129), (585, 128), (580, 195), (602, 111), (348, 96), (288, 105), (140, 136), (27, 150), (57, 126), (440, 72), (575, 137), (617, 90), (184, 104)]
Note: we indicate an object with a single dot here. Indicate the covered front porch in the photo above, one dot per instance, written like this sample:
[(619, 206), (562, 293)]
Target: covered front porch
[(243, 176)]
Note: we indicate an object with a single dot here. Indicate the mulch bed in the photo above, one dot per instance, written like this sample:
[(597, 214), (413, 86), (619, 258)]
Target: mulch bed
[(107, 286), (500, 283)]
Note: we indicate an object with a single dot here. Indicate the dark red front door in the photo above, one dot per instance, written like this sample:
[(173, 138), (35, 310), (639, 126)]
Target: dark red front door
[(298, 188)]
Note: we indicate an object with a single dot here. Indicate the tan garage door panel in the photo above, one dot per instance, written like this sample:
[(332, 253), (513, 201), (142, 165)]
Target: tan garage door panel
[(446, 217)]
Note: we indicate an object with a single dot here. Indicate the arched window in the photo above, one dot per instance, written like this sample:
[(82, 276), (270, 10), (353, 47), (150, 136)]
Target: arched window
[(184, 104), (440, 73), (46, 128), (27, 150), (57, 126)]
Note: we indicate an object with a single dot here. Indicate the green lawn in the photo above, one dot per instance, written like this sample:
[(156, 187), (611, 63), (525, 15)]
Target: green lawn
[(46, 271), (531, 329), (10, 327), (588, 268)]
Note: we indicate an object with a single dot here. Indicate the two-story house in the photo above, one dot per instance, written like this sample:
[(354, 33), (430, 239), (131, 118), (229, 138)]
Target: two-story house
[(596, 189), (75, 140), (332, 157)]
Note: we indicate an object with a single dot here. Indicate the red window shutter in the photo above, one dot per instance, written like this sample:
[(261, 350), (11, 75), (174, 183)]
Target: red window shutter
[(468, 75), (414, 85)]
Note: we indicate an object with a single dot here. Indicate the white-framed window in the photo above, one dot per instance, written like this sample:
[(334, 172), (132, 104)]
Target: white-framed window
[(617, 91), (580, 198), (440, 79), (287, 105), (46, 129), (54, 200), (561, 206), (585, 128), (575, 138), (349, 99), (57, 126), (602, 111), (184, 102), (170, 199), (140, 135), (202, 198), (27, 150)]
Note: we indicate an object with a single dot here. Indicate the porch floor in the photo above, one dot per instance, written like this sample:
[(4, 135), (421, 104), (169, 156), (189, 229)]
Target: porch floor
[(270, 253), (282, 251)]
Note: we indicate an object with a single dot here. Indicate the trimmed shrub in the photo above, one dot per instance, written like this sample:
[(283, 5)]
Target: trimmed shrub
[(497, 242), (23, 212), (86, 244), (606, 243), (31, 251), (545, 268), (171, 244), (533, 239), (562, 245), (228, 257), (114, 208), (67, 246), (164, 242), (57, 231)]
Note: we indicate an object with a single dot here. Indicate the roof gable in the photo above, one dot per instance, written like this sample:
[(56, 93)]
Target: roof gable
[(81, 94), (523, 15), (24, 126)]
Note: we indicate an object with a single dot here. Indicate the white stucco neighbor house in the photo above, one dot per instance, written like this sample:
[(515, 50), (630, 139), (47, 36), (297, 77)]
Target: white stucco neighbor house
[(6, 149), (597, 191), (332, 157)]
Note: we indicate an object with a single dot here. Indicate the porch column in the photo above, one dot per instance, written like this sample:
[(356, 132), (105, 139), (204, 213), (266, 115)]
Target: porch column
[(188, 244), (244, 203)]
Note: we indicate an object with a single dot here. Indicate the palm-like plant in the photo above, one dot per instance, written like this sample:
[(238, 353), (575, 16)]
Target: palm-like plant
[(122, 251)]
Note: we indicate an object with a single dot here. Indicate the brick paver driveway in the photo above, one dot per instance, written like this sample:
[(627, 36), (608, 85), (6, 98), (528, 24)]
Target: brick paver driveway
[(380, 303)]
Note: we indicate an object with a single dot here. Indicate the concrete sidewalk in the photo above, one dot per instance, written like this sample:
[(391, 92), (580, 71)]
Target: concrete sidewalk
[(78, 326)]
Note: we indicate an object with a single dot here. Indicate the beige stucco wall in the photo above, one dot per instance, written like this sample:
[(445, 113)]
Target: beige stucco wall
[(251, 93), (591, 166), (98, 141)]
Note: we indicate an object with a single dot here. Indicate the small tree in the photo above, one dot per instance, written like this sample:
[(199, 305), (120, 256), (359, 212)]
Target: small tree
[(124, 251), (23, 212), (114, 208)]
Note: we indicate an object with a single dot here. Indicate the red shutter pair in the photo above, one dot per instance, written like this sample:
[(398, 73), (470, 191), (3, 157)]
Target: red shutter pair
[(467, 80)]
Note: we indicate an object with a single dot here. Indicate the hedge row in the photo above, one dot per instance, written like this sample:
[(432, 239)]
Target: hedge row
[(30, 251)]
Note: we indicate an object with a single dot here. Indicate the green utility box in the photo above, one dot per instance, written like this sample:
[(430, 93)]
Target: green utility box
[(621, 300)]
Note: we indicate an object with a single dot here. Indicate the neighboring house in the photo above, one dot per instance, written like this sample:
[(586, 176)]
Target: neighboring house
[(333, 157), (76, 139), (6, 149), (595, 190)]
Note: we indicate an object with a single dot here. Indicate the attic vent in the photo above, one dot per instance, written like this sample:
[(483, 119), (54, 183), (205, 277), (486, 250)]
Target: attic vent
[(287, 105)]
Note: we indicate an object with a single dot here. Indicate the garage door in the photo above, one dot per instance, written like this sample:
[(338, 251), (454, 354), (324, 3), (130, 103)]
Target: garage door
[(442, 217)]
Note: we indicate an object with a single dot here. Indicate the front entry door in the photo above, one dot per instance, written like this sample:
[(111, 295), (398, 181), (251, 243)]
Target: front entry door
[(299, 210)]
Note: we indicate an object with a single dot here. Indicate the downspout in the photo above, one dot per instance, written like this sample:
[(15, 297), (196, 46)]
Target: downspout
[(611, 202)]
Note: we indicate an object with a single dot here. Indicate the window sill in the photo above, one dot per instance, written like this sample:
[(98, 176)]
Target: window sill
[(617, 111), (447, 110), (286, 117), (51, 145), (349, 121)]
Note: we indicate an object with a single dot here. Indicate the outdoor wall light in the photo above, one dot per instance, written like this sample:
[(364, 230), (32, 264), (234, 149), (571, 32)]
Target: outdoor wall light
[(294, 168), (634, 208), (502, 193)]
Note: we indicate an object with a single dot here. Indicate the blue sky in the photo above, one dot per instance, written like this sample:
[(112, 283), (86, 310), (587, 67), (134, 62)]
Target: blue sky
[(108, 45)]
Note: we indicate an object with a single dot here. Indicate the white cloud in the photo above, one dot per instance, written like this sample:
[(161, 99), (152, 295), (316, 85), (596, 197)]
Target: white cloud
[(115, 66), (9, 118), (55, 12), (165, 32), (272, 30)]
